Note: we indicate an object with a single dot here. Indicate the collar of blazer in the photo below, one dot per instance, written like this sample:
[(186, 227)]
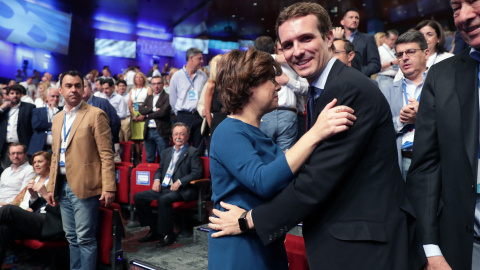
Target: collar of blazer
[(467, 91), (58, 124)]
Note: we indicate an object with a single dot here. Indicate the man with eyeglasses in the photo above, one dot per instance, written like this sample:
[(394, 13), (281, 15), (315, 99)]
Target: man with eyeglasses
[(404, 95), (444, 180), (179, 165), (156, 109), (344, 51)]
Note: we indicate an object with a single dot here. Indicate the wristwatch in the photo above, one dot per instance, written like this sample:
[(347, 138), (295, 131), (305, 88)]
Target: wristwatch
[(391, 63), (242, 222)]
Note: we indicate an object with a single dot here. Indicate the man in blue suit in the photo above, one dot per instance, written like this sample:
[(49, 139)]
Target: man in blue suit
[(366, 50), (106, 107), (403, 95), (15, 122), (42, 123)]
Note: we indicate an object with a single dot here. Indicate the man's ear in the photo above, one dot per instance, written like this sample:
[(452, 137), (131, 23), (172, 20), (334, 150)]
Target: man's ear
[(342, 22), (350, 56)]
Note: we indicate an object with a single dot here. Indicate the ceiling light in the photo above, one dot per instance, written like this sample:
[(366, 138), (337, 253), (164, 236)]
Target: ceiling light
[(254, 4)]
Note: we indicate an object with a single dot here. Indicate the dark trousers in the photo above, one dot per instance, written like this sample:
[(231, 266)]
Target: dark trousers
[(163, 224), (194, 122), (16, 223)]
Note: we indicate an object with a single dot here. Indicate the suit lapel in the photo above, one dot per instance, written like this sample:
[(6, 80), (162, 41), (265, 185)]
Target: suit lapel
[(397, 97), (466, 81), (336, 68), (78, 119), (57, 132)]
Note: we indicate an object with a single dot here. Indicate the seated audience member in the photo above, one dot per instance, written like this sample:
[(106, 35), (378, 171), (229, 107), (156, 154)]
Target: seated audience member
[(125, 123), (15, 177), (42, 123), (179, 165), (118, 103), (24, 97), (388, 61), (105, 106), (158, 129), (15, 123), (29, 216), (404, 95)]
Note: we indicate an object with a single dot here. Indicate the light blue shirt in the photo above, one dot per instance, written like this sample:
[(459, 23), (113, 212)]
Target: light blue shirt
[(180, 85), (118, 102)]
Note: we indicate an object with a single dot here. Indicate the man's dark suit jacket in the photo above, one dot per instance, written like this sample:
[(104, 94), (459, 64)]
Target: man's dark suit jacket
[(366, 54), (161, 116), (187, 168), (112, 116), (40, 126), (442, 178), (52, 229), (24, 128), (350, 193)]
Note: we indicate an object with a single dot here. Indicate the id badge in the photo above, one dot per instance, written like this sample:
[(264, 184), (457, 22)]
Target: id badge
[(395, 67), (63, 148), (192, 95), (150, 122), (8, 127), (166, 180), (135, 106)]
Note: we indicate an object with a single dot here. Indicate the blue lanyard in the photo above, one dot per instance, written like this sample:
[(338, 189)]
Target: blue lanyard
[(434, 60), (65, 133), (405, 93), (188, 77), (137, 94), (173, 162), (11, 114)]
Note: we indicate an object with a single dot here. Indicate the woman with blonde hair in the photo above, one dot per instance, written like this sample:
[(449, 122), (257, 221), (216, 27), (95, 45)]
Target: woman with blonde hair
[(41, 101), (138, 94), (213, 107), (380, 38)]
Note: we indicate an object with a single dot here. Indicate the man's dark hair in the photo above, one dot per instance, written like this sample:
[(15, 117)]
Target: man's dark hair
[(72, 73), (109, 81), (18, 144), (180, 124), (347, 45), (157, 77), (121, 81), (192, 52), (412, 36), (17, 87), (351, 9), (100, 80), (392, 32), (265, 44)]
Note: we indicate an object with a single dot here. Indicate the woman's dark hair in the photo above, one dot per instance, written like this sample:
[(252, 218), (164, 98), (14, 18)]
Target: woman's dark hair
[(238, 71)]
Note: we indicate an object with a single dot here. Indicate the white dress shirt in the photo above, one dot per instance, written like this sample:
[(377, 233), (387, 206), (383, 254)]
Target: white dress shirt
[(12, 182), (27, 199), (118, 102), (69, 119), (12, 125)]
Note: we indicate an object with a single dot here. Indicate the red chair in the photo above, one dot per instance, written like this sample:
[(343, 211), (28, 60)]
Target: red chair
[(128, 164), (203, 186), (37, 244), (109, 235), (142, 178), (122, 175), (126, 150), (297, 256)]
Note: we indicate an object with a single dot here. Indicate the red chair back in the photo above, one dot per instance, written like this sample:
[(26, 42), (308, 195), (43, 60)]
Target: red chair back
[(142, 178), (122, 175), (144, 155), (105, 238), (126, 150), (297, 256)]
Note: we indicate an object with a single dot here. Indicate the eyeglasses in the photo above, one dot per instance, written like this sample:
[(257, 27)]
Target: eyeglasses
[(409, 53), (337, 52), (156, 83)]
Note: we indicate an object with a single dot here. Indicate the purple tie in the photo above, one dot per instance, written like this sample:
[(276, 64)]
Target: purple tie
[(313, 94)]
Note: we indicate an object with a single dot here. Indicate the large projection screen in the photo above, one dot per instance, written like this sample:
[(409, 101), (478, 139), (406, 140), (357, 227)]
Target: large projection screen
[(35, 26), (115, 48)]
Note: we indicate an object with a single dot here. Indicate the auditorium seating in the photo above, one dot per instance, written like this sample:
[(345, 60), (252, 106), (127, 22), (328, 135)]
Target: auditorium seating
[(297, 256), (126, 149)]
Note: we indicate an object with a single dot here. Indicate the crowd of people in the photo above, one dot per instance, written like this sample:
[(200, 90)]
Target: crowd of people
[(371, 142)]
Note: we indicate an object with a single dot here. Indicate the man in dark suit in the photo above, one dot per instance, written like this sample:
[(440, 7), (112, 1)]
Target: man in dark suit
[(15, 122), (179, 165), (158, 128), (366, 50), (443, 181), (103, 104), (42, 123), (350, 193)]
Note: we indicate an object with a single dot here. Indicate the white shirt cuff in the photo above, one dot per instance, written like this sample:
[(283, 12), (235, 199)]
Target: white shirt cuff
[(432, 250)]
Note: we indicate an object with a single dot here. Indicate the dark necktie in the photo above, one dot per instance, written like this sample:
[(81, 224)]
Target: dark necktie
[(313, 94)]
